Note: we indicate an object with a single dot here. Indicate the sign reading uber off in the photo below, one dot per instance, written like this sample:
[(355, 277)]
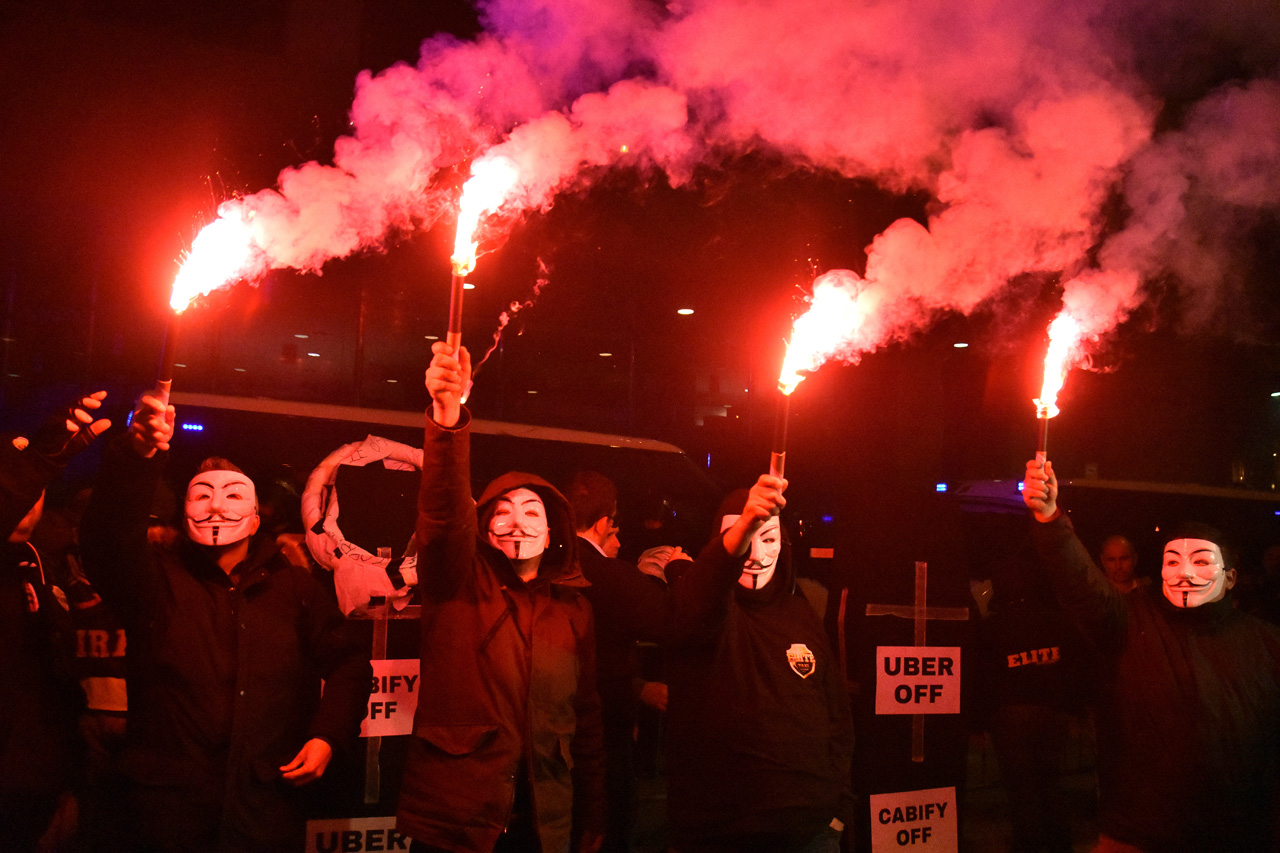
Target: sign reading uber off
[(918, 680)]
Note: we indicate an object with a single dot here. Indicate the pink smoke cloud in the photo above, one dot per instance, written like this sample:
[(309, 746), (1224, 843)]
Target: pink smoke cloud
[(1021, 119)]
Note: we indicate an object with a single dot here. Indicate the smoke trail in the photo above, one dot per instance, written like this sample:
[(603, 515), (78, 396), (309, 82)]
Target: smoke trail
[(1020, 119)]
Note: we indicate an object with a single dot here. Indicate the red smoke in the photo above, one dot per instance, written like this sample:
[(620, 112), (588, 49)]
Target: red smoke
[(1019, 118)]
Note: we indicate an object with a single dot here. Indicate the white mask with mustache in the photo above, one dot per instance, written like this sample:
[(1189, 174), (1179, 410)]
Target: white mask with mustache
[(221, 508), (1193, 573), (762, 559), (518, 526)]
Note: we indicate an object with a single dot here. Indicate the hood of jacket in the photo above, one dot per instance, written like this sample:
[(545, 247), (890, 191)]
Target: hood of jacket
[(559, 562)]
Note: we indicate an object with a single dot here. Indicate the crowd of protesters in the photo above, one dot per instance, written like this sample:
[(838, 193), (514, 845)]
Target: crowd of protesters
[(187, 681)]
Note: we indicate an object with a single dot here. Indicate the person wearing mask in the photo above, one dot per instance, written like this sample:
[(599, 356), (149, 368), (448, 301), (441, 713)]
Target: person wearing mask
[(506, 752), (229, 643), (760, 733), (1189, 709)]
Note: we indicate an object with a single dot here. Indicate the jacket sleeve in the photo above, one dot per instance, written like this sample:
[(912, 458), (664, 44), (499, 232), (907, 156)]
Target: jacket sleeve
[(446, 526), (23, 476), (634, 604), (587, 746), (113, 531), (1081, 589), (341, 649), (699, 600)]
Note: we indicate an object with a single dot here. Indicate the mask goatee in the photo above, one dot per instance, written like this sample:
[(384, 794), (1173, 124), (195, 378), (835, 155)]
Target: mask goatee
[(1184, 598), (517, 549)]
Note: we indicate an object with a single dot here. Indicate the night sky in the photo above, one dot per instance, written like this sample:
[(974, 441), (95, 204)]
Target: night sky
[(127, 122)]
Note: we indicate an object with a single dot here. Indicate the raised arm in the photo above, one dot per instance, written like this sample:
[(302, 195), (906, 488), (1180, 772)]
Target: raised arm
[(31, 462), (1079, 586), (699, 600), (113, 532), (446, 526)]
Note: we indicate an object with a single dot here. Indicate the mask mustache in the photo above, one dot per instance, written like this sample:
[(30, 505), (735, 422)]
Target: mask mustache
[(218, 519)]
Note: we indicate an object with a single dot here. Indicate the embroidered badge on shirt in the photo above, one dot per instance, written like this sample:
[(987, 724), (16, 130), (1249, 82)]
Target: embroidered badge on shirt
[(802, 661)]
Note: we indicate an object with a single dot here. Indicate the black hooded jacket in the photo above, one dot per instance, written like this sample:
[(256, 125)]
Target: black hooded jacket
[(760, 734)]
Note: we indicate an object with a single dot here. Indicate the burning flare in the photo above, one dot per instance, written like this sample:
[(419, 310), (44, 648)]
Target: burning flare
[(222, 252), (1065, 333), (490, 182), (834, 317)]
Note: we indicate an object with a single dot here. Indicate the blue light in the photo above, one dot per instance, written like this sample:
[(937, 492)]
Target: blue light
[(194, 427), (941, 487), (827, 519), (1020, 485)]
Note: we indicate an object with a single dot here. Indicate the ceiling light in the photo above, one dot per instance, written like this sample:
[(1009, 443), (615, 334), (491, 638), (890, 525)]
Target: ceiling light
[(684, 311)]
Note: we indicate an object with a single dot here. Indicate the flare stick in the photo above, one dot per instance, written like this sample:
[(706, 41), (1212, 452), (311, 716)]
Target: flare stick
[(454, 335), (165, 380), (1042, 442), (778, 458)]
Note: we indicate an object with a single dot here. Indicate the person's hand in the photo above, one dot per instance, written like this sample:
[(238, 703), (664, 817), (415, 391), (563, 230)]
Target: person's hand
[(654, 561), (309, 764), (764, 501), (62, 826), (293, 547), (152, 426), (654, 694), (71, 430), (591, 842), (1040, 490), (447, 380)]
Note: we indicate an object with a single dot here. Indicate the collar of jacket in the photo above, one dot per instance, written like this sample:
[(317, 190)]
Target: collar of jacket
[(260, 562)]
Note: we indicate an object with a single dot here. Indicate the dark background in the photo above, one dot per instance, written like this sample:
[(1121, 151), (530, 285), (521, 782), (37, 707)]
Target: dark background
[(127, 121)]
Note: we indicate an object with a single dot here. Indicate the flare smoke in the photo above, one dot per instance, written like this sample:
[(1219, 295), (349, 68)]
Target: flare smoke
[(1020, 120)]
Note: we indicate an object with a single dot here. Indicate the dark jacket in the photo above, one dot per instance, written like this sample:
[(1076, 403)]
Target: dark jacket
[(224, 678), (628, 606), (756, 748), (1189, 711), (508, 670), (39, 698)]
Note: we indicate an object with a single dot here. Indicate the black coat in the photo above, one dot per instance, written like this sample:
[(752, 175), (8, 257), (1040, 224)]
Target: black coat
[(760, 734), (224, 679), (1189, 711), (39, 698)]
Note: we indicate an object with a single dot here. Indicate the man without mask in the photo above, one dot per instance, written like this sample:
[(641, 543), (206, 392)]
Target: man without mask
[(762, 555), (221, 506)]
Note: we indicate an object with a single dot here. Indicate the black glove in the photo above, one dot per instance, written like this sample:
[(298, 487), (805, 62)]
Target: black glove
[(69, 431)]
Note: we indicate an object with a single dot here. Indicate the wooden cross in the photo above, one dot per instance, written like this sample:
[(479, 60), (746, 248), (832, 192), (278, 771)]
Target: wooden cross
[(919, 613)]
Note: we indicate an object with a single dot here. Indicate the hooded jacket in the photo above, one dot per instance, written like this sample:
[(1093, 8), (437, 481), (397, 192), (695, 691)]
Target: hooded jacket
[(1189, 711), (508, 669), (760, 734)]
